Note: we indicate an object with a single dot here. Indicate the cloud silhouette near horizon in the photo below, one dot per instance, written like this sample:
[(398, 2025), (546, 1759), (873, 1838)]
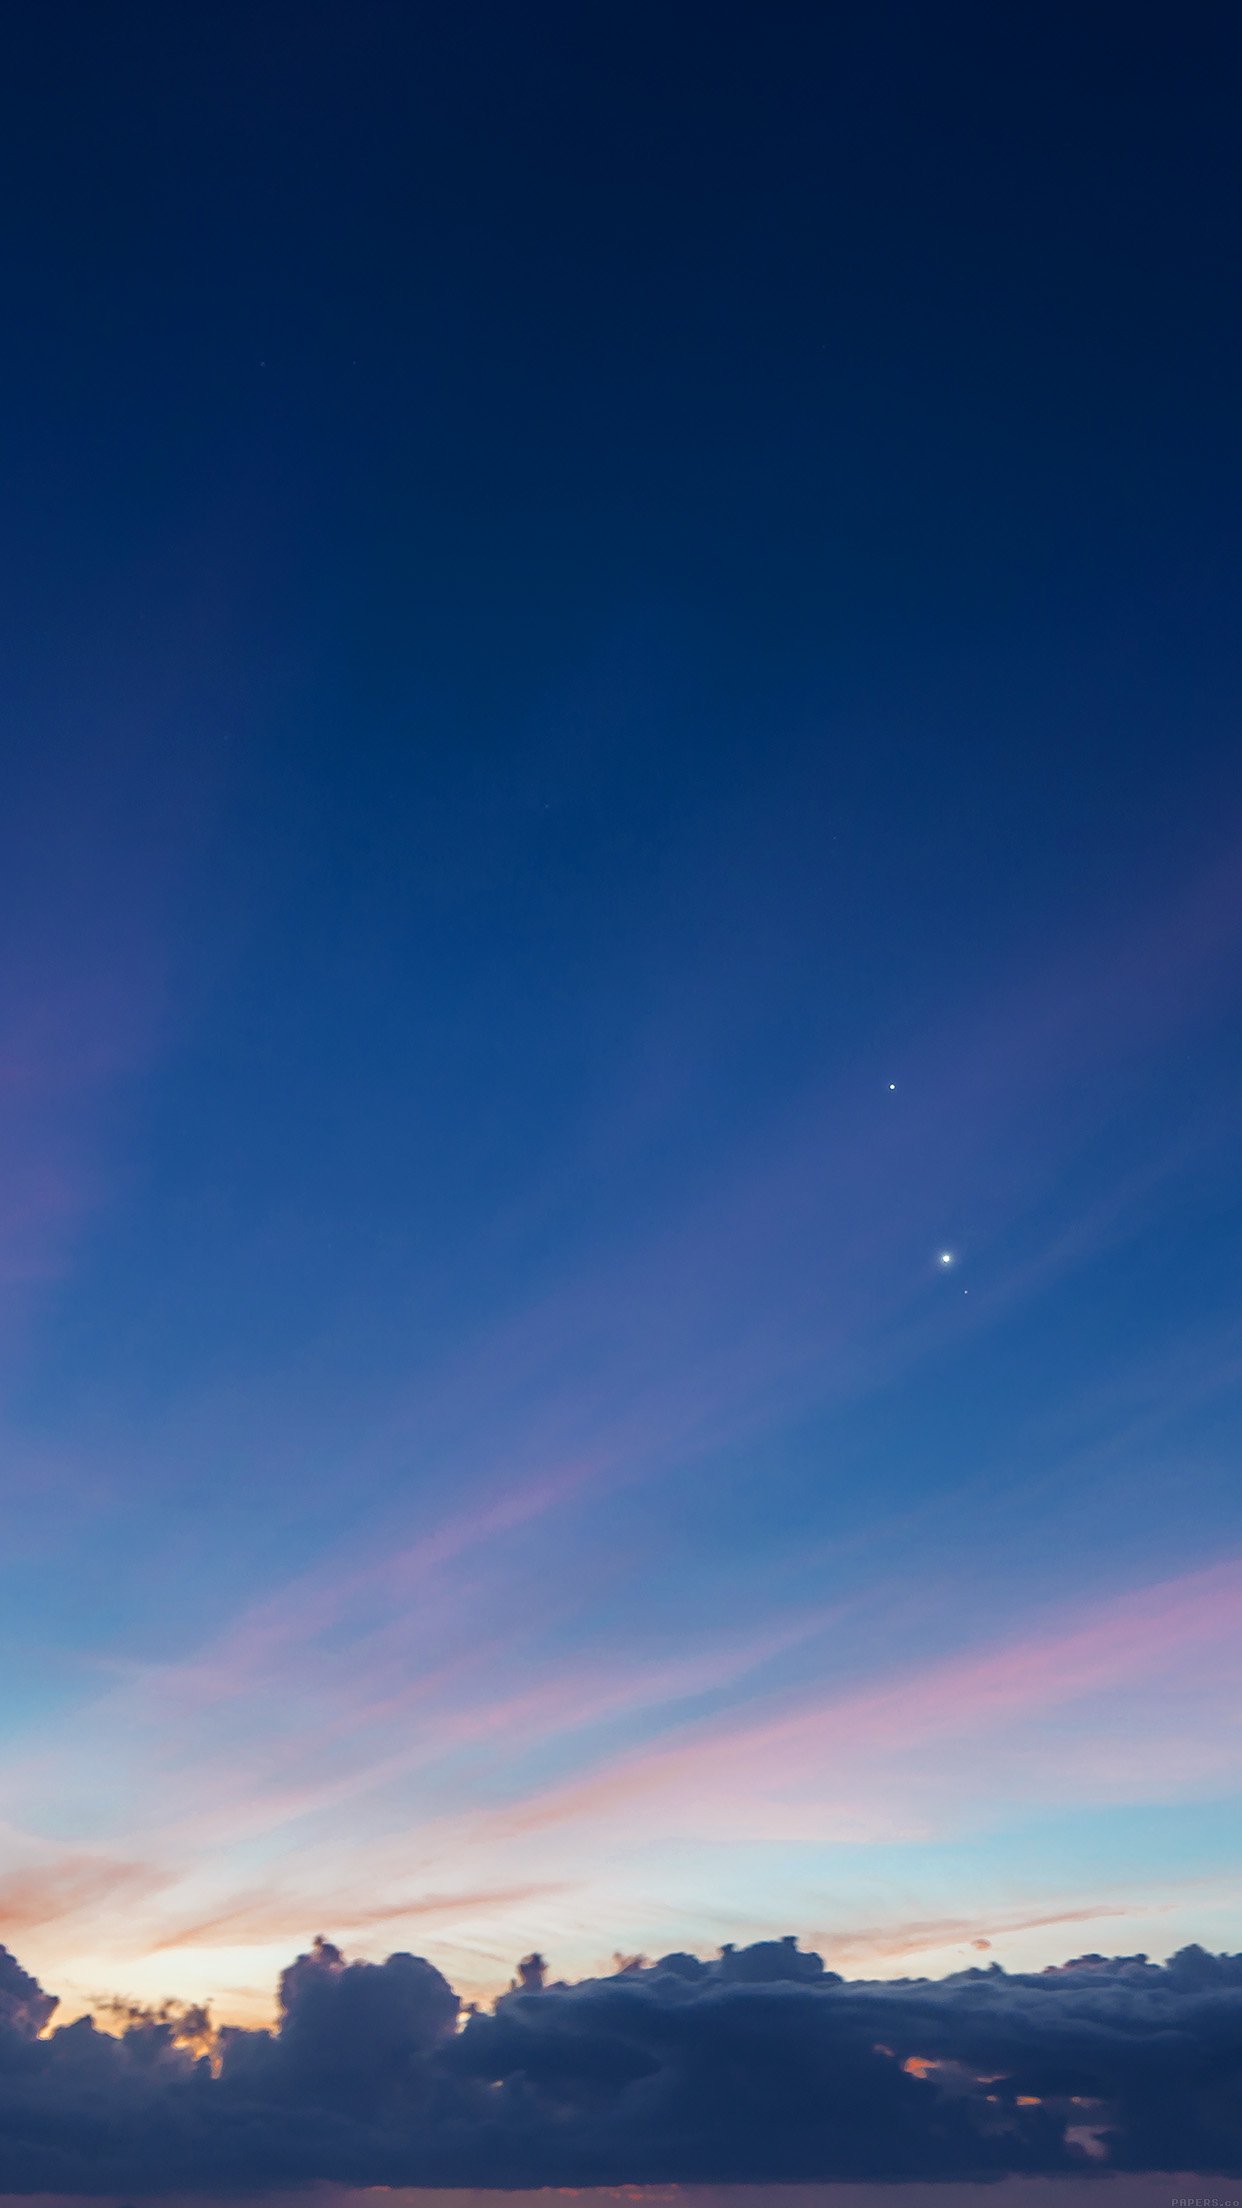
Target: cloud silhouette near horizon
[(760, 2066)]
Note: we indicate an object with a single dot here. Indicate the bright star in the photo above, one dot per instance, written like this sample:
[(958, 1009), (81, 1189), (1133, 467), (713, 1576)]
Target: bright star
[(946, 1257)]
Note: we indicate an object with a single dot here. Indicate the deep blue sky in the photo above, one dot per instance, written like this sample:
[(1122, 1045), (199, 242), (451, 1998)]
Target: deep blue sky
[(586, 589)]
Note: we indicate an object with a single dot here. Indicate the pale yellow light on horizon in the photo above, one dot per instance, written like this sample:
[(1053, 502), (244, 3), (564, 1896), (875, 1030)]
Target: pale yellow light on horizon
[(1153, 2190)]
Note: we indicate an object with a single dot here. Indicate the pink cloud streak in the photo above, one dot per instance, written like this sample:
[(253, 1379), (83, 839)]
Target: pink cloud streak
[(817, 1762)]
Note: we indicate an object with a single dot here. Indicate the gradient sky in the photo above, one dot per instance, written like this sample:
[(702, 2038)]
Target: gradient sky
[(621, 693)]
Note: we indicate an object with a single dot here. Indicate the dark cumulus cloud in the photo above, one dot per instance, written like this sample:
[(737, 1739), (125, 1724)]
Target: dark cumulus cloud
[(759, 2065)]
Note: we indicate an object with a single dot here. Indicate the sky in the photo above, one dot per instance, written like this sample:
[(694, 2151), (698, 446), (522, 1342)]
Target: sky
[(621, 928)]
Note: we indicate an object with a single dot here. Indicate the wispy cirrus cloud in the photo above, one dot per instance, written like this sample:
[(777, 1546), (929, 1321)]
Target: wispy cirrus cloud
[(930, 1749), (794, 1267), (931, 1745), (232, 1754), (446, 1681), (72, 1886), (276, 1913), (887, 1943)]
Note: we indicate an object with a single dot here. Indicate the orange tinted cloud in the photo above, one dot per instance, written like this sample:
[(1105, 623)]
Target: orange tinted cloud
[(42, 1894), (257, 1919), (882, 1943)]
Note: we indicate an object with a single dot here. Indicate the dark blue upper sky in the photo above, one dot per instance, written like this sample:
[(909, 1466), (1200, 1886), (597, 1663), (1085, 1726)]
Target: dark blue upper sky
[(585, 589)]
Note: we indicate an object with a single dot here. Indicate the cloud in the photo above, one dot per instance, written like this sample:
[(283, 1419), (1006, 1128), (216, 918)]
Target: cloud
[(259, 1918), (757, 2067), (880, 1943), (1143, 1688), (551, 1782), (42, 1894)]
